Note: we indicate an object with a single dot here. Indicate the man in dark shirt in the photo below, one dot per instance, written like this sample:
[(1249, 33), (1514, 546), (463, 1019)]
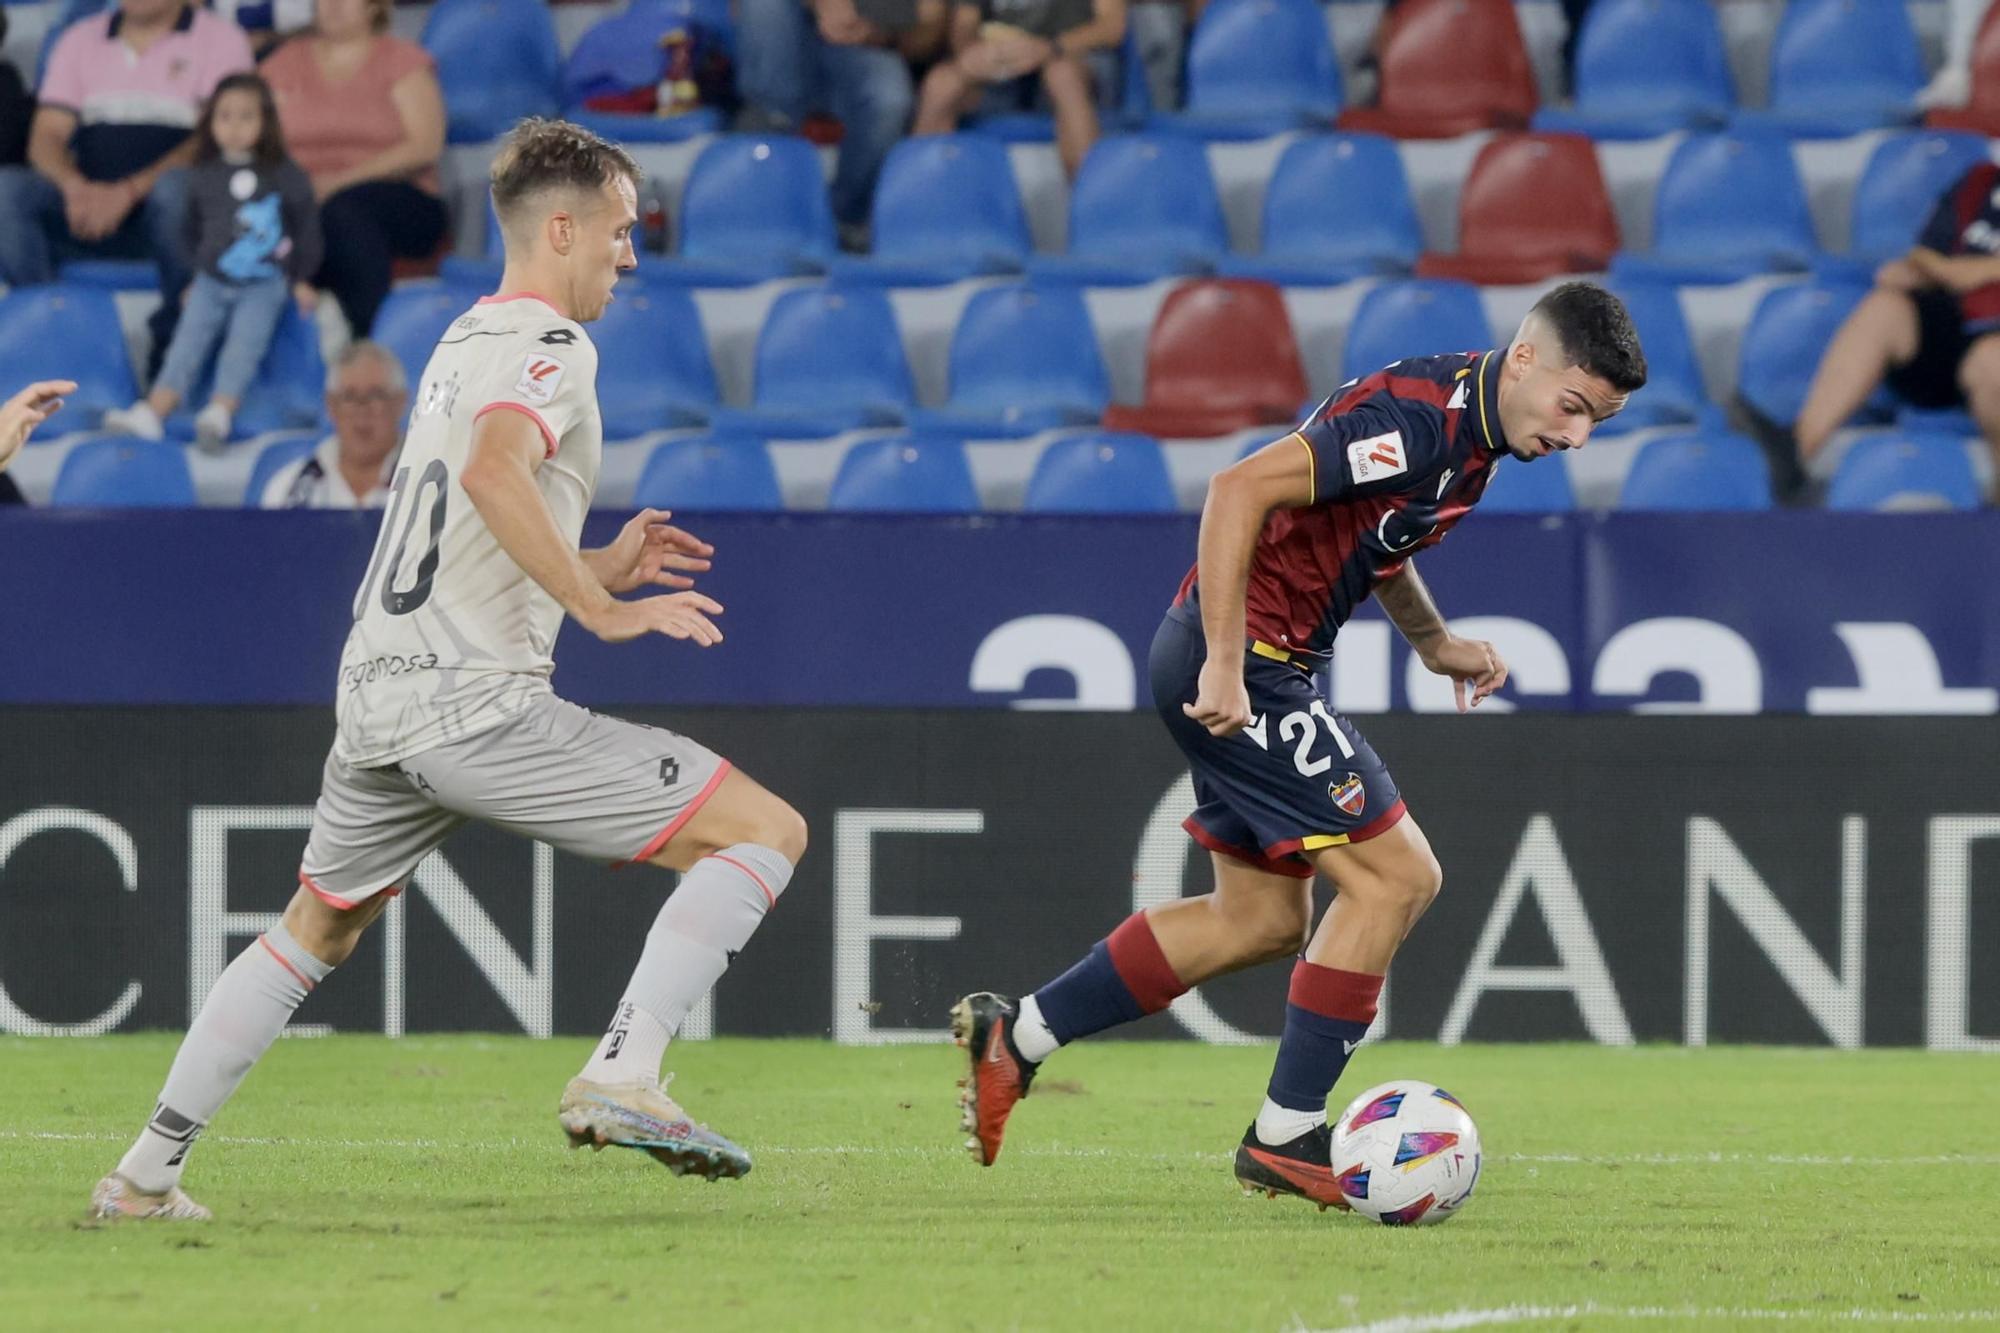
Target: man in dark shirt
[(1293, 539), (1926, 328)]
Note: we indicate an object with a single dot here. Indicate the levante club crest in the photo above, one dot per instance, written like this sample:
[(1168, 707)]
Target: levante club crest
[(1348, 793)]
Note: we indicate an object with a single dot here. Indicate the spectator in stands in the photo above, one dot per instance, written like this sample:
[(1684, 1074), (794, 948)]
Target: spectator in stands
[(19, 416), (16, 106), (1059, 44), (120, 95), (349, 469), (254, 233), (1929, 327), (1160, 30), (365, 117), (852, 58)]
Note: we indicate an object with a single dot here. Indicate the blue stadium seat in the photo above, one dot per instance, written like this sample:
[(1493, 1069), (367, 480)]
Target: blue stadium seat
[(828, 360), (497, 61), (1520, 487), (1841, 67), (1646, 68), (1257, 68), (946, 208), (1728, 207), (482, 270), (1903, 181), (1788, 333), (1102, 474), (623, 52), (653, 369), (716, 472), (1144, 206), (1674, 391), (907, 475), (414, 317), (1904, 472), (64, 332), (1708, 472), (1338, 207), (289, 392), (1420, 317), (119, 275), (271, 458), (121, 473), (754, 208), (1023, 359)]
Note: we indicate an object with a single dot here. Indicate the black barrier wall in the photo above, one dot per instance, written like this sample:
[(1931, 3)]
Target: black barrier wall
[(1818, 881)]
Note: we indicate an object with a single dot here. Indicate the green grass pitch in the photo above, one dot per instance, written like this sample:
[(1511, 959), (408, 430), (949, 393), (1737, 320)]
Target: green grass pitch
[(365, 1183)]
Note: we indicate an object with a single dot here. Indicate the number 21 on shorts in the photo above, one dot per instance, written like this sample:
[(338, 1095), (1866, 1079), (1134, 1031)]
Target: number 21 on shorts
[(1298, 731)]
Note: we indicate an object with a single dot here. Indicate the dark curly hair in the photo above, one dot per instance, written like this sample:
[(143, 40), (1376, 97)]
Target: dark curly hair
[(1595, 332)]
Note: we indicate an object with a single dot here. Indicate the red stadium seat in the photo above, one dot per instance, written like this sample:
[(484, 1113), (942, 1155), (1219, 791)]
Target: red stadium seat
[(1981, 113), (1221, 358), (1507, 231), (1450, 67)]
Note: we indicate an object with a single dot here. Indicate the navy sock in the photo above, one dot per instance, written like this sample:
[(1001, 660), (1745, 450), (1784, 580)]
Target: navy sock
[(1123, 977), (1327, 1014)]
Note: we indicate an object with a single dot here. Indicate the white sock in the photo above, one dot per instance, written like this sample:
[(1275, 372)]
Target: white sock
[(699, 932), (1280, 1124), (1032, 1037), (252, 1001)]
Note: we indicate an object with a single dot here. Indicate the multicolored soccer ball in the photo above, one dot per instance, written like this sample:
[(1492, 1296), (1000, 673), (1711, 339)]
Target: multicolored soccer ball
[(1406, 1154)]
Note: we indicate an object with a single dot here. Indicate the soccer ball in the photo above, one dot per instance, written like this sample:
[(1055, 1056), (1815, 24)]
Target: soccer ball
[(1406, 1154)]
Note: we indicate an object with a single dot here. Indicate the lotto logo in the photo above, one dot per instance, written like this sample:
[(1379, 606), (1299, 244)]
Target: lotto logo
[(1377, 457)]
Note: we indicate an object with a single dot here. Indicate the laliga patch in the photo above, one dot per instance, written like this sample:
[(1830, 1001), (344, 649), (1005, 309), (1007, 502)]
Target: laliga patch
[(1377, 457), (1349, 794), (540, 374)]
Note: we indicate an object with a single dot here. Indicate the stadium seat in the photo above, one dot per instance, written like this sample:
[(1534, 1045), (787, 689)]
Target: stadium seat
[(122, 473), (497, 61), (1023, 359), (1981, 113), (66, 13), (1841, 67), (1708, 473), (273, 457), (754, 208), (1257, 68), (653, 369), (1728, 207), (414, 317), (63, 332), (1674, 392), (289, 392), (1337, 208), (1904, 472), (828, 360), (1420, 317), (1450, 67), (1903, 181), (1101, 474), (946, 208), (1646, 68), (623, 52), (714, 473), (1221, 357), (1788, 333), (119, 275), (906, 475), (1144, 207), (1521, 487), (1507, 233), (484, 269)]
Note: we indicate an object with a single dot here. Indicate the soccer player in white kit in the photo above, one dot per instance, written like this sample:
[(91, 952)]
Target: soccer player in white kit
[(445, 708)]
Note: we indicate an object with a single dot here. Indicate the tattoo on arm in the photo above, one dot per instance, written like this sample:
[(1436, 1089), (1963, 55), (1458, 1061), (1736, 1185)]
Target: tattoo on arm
[(1407, 602)]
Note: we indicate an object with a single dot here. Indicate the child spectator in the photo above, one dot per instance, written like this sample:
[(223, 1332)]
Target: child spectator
[(254, 234)]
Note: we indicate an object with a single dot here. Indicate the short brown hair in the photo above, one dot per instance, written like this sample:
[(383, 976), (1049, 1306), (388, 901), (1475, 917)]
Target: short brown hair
[(538, 156)]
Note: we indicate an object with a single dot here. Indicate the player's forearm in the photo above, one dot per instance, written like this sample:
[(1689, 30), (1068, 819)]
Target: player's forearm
[(1231, 519), (506, 497), (597, 559), (1406, 600)]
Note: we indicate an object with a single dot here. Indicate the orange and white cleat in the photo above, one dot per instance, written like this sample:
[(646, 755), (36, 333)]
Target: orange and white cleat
[(118, 1199), (983, 1024)]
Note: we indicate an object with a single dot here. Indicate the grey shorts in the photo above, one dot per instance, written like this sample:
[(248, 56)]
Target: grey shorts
[(600, 787)]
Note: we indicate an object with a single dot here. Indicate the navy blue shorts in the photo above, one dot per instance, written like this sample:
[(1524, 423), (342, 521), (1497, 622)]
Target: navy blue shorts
[(1299, 779)]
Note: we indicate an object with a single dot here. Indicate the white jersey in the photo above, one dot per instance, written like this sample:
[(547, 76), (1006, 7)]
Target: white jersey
[(450, 636)]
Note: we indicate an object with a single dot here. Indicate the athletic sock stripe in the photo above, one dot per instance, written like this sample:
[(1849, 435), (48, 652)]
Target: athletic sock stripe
[(770, 898), (283, 962)]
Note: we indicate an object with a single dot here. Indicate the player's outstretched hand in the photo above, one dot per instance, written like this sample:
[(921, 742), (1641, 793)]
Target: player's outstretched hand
[(1221, 703), (651, 551), (680, 615), (1472, 662), (26, 410)]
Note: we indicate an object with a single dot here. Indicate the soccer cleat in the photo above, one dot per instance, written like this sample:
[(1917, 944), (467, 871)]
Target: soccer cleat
[(117, 1198), (1303, 1167), (642, 1116), (999, 1076)]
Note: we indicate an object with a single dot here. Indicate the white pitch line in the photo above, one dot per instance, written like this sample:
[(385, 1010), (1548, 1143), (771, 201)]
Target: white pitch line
[(1059, 1151), (1520, 1314)]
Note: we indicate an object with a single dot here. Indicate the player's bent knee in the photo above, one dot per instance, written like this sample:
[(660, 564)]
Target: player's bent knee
[(784, 832)]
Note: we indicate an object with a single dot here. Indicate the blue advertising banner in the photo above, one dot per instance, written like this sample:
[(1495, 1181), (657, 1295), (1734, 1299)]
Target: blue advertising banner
[(1784, 612)]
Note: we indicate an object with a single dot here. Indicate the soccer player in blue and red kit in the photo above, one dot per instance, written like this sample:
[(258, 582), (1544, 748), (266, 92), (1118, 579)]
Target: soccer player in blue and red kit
[(1293, 538)]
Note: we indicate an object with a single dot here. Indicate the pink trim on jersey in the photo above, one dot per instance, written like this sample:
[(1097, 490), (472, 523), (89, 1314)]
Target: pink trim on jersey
[(770, 898), (548, 436), (518, 296), (282, 962), (339, 903), (666, 835)]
